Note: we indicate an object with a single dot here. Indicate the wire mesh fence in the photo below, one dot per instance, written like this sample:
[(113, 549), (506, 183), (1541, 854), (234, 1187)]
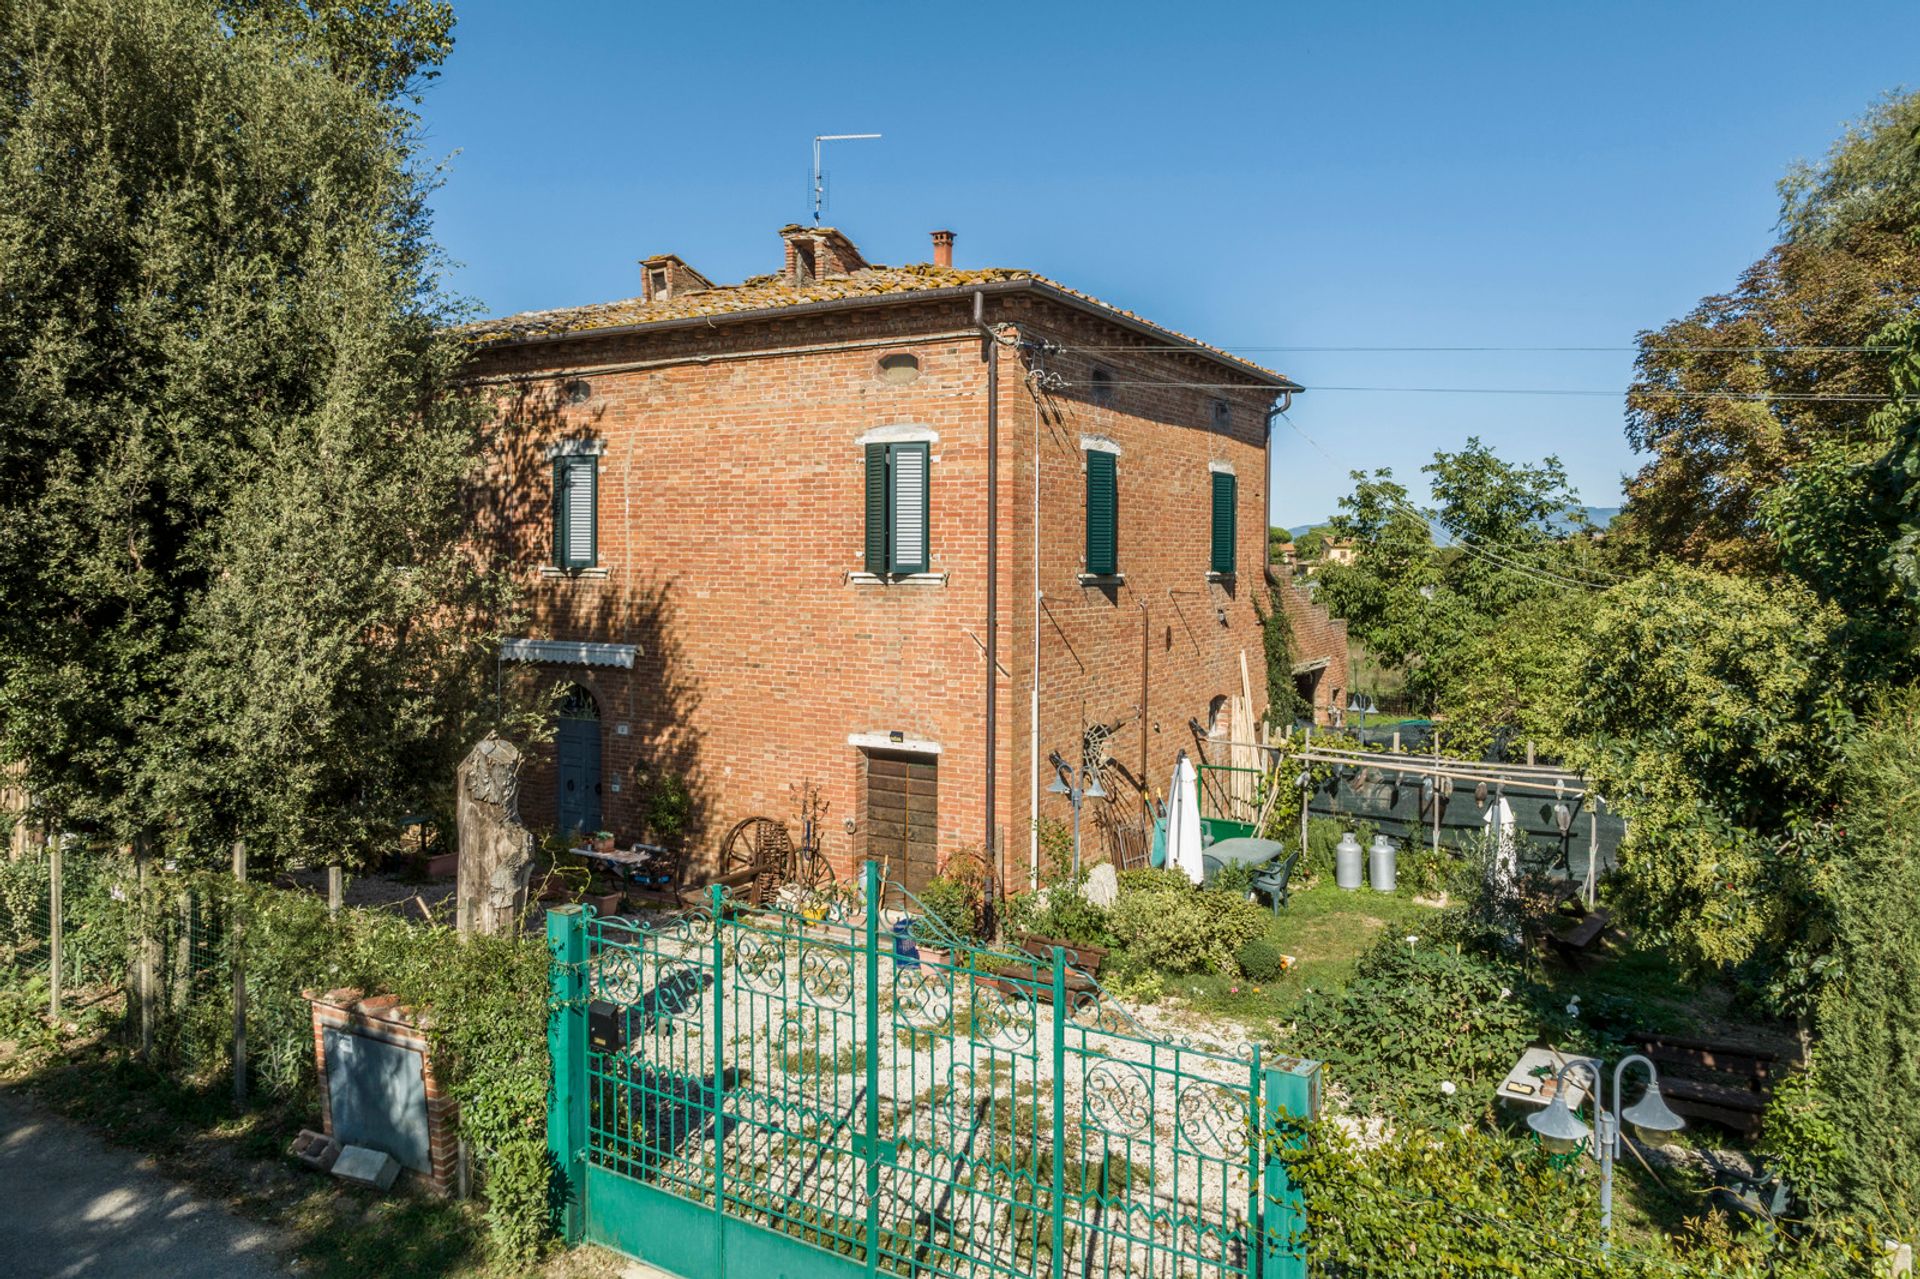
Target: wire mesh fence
[(204, 962)]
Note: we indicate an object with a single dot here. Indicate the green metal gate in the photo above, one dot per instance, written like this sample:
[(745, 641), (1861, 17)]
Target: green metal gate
[(777, 1095)]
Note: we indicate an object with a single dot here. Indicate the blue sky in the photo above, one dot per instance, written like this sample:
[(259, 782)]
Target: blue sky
[(1258, 175)]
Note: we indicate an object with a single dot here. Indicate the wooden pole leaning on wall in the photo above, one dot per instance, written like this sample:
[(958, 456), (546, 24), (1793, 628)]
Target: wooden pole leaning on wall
[(238, 933), (56, 943)]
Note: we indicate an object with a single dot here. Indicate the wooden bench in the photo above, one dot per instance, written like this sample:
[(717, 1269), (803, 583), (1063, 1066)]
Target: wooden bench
[(1737, 1085)]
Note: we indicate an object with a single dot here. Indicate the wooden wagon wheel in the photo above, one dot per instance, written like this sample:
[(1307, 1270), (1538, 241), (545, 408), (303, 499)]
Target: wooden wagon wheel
[(759, 844)]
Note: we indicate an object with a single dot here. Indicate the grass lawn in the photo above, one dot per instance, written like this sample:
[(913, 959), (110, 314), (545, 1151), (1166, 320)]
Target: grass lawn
[(1326, 929)]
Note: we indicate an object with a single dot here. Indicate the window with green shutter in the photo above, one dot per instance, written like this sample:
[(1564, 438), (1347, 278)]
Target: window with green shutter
[(896, 501), (1225, 491), (576, 513), (1103, 514)]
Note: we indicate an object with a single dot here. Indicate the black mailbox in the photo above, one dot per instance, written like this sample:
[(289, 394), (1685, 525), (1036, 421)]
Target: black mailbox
[(606, 1027)]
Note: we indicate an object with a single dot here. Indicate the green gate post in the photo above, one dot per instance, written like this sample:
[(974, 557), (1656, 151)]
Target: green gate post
[(719, 903), (873, 1039), (1292, 1092), (1059, 1161), (567, 1051)]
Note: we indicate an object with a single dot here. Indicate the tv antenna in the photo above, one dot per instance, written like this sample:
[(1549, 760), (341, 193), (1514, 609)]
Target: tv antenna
[(819, 182)]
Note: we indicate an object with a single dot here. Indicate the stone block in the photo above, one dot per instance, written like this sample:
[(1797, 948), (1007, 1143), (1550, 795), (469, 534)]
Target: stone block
[(365, 1166), (316, 1150)]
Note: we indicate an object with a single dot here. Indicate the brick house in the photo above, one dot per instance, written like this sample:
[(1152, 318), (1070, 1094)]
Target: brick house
[(756, 523)]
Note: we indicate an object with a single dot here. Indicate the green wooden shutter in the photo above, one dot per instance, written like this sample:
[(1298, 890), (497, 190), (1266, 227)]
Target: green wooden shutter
[(560, 512), (877, 509), (907, 503), (1103, 503), (1225, 490)]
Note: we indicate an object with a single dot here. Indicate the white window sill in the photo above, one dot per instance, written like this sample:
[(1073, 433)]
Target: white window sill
[(1102, 579), (1221, 577), (599, 572), (859, 577)]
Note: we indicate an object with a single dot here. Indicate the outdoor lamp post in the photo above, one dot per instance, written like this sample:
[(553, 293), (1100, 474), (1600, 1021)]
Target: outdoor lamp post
[(1561, 1129), (1088, 787)]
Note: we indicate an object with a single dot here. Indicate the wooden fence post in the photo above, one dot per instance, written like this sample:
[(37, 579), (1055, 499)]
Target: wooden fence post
[(56, 942), (237, 952), (336, 889), (144, 943)]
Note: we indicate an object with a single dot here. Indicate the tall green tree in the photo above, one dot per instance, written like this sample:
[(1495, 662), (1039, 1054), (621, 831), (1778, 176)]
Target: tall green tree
[(1706, 710), (1436, 611), (236, 597), (1783, 371)]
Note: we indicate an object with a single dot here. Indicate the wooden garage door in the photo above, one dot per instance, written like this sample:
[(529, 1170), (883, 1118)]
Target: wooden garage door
[(902, 816)]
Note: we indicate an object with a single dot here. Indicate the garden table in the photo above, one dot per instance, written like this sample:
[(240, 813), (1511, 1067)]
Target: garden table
[(1243, 851), (1521, 1077)]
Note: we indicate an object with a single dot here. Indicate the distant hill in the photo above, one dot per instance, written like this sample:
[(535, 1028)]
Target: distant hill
[(1598, 516)]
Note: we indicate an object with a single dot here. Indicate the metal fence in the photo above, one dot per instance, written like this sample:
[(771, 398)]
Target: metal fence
[(785, 1091)]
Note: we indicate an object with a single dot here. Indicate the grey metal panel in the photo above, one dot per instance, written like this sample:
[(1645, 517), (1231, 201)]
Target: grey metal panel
[(379, 1097)]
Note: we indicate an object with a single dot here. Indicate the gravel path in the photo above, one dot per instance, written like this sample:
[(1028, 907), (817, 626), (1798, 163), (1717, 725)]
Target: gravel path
[(75, 1206)]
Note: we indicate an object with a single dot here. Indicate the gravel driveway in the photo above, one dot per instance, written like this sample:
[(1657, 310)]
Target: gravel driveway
[(76, 1206)]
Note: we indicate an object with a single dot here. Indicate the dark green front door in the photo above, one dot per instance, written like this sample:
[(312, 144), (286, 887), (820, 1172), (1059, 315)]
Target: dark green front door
[(577, 754)]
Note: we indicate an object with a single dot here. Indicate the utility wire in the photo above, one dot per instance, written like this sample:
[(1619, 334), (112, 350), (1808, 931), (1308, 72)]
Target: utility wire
[(1783, 349), (1545, 575), (1750, 397)]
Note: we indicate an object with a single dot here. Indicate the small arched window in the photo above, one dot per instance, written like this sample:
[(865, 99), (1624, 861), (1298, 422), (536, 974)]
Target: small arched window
[(1101, 388), (899, 368), (1217, 716)]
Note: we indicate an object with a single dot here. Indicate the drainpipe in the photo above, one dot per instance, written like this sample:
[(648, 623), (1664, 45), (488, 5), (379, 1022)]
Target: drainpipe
[(1266, 536), (1266, 555), (994, 851)]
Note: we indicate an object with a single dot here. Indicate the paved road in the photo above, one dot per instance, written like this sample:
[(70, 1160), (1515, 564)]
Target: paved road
[(71, 1205)]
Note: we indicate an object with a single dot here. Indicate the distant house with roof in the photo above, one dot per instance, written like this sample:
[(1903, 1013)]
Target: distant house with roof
[(899, 534)]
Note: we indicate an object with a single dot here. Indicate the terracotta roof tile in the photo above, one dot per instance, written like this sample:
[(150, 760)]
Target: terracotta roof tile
[(771, 292)]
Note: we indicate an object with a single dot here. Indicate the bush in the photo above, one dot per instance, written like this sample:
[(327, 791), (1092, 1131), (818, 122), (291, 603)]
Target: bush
[(1472, 1204), (1418, 1017), (1172, 927), (1866, 1014), (1154, 879), (1059, 911), (951, 914), (1259, 959), (1235, 880)]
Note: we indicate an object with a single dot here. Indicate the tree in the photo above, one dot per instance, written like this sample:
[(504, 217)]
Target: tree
[(1780, 373), (1436, 611), (1868, 952), (236, 596), (1706, 711)]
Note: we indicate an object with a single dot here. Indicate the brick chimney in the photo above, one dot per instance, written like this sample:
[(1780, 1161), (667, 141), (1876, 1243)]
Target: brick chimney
[(943, 248)]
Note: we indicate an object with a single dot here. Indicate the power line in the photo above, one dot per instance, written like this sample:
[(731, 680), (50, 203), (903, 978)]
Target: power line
[(1546, 575), (1513, 350), (1747, 397)]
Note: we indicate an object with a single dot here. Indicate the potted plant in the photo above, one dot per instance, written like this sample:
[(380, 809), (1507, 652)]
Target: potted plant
[(604, 896), (603, 841)]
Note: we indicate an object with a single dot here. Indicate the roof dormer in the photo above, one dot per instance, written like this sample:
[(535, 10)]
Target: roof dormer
[(664, 276), (817, 253)]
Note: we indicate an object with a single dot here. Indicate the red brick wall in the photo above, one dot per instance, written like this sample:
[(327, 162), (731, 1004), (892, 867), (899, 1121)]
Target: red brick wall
[(731, 515), (381, 1017)]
